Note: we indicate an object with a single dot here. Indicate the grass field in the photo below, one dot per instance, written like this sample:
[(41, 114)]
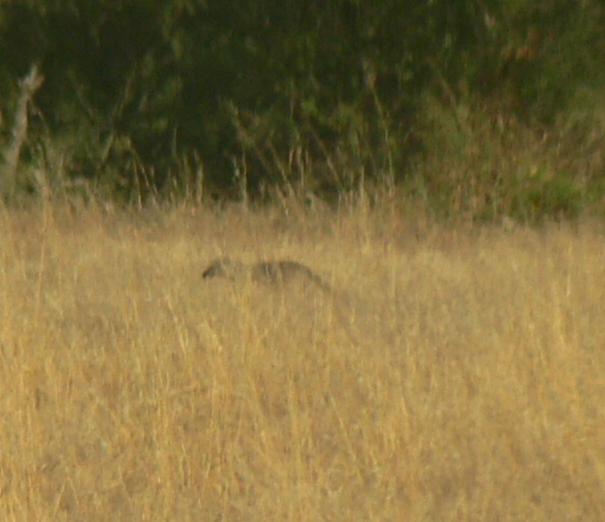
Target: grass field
[(453, 373)]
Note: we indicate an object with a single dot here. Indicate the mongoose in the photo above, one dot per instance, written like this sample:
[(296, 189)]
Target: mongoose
[(269, 272), (277, 273)]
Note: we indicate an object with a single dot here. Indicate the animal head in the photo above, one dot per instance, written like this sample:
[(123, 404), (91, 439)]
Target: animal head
[(223, 267)]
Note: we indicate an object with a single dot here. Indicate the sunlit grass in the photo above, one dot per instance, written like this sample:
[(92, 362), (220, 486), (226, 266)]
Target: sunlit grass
[(453, 373)]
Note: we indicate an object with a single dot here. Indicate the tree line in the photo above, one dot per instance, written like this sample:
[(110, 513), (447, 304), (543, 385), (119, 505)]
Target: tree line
[(146, 98)]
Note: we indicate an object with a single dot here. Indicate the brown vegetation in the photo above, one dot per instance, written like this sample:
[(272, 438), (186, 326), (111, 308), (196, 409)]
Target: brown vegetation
[(130, 390)]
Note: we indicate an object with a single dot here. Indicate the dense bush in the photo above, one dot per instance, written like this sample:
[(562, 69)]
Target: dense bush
[(147, 98)]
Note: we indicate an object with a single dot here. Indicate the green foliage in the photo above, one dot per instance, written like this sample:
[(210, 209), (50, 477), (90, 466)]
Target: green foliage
[(315, 94), (482, 168), (541, 194)]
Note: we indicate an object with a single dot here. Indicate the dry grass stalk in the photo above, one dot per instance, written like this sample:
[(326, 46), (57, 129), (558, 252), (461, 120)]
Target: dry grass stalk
[(131, 390)]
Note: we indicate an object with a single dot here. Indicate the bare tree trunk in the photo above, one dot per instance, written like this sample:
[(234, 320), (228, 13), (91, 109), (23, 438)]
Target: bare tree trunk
[(28, 87)]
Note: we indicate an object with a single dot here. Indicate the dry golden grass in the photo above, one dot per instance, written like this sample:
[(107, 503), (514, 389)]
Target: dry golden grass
[(454, 374)]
